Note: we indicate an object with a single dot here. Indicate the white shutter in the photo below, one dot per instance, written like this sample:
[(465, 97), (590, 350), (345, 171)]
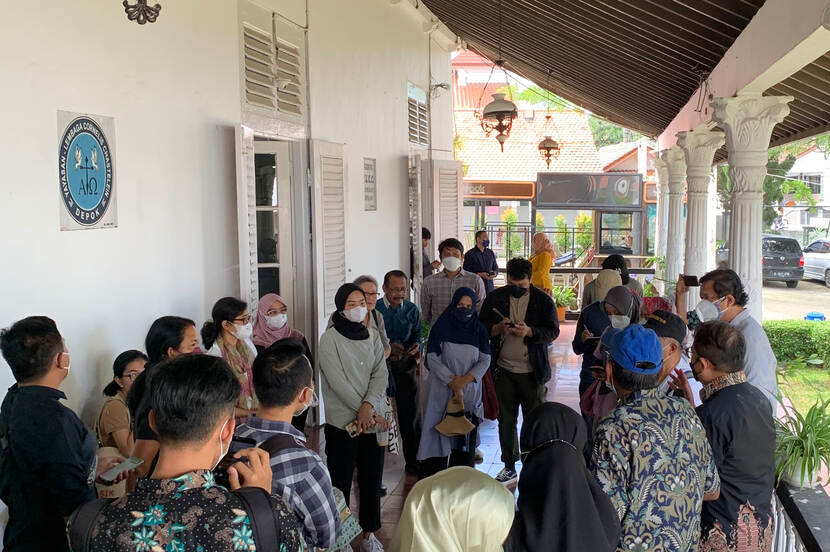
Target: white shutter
[(330, 225), (290, 69), (418, 122), (246, 214), (446, 182)]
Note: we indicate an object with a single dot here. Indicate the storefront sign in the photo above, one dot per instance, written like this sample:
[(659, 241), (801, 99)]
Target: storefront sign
[(370, 186), (498, 190), (620, 191), (86, 171)]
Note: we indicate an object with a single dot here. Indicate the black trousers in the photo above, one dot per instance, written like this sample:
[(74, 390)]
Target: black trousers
[(343, 455), (406, 400), (514, 390), (464, 456)]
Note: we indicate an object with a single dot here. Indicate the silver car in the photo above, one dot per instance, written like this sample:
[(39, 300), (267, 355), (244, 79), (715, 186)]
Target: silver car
[(817, 261)]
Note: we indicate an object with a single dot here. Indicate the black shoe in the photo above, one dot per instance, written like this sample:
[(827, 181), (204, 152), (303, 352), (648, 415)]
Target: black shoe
[(383, 490), (411, 470)]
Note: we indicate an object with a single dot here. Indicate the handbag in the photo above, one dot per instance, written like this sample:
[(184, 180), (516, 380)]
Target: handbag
[(455, 422), (488, 396), (349, 526)]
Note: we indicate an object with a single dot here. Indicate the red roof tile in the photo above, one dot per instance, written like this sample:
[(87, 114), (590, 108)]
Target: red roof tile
[(521, 159)]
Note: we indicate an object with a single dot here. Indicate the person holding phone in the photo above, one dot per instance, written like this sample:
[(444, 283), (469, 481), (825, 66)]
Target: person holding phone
[(354, 380), (192, 412), (47, 456), (482, 261)]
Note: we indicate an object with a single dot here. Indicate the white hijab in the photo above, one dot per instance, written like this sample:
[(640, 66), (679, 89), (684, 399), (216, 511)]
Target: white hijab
[(456, 510)]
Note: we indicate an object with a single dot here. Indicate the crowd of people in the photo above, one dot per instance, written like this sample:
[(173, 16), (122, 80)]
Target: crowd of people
[(673, 449)]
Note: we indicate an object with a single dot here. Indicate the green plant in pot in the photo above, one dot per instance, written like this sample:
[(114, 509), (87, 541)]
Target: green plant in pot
[(802, 444), (564, 298)]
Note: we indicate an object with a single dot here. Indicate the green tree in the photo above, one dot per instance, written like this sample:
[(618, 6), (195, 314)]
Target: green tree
[(563, 234), (584, 230), (607, 134), (777, 167), (515, 244), (539, 225)]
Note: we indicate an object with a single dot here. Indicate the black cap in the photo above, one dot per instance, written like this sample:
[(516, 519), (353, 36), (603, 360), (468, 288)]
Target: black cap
[(666, 324)]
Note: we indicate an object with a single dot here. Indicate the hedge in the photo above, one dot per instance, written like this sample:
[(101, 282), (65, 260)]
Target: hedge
[(792, 339)]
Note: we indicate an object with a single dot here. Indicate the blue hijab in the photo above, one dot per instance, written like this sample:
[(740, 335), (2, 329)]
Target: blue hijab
[(449, 328)]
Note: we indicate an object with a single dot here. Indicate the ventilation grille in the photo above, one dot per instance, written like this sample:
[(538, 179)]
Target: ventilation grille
[(260, 64), (448, 196), (418, 122), (289, 79)]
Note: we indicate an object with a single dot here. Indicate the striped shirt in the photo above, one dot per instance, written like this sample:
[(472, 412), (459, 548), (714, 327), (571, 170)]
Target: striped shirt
[(439, 288), (301, 479)]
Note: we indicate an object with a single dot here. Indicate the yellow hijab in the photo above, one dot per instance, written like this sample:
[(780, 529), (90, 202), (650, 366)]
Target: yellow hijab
[(456, 510)]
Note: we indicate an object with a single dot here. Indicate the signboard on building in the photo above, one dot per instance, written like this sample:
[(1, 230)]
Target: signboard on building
[(477, 189), (601, 191), (86, 171), (370, 186)]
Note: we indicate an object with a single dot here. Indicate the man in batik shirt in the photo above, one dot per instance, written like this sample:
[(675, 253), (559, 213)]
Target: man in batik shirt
[(740, 428), (651, 456)]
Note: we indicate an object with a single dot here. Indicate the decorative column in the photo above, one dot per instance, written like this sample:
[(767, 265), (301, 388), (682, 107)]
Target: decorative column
[(676, 163), (748, 120), (699, 146), (661, 171)]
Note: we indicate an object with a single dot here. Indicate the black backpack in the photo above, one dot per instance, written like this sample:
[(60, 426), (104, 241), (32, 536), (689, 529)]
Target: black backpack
[(265, 522)]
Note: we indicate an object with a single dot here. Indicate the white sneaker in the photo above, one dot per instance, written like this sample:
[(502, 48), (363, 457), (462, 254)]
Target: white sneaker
[(372, 544), (479, 456), (507, 476)]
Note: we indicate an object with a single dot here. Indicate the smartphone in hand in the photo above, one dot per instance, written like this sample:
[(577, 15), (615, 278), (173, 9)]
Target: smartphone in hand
[(129, 464), (690, 281)]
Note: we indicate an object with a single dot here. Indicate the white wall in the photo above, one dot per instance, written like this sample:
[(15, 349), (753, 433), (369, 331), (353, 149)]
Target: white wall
[(361, 55), (172, 87)]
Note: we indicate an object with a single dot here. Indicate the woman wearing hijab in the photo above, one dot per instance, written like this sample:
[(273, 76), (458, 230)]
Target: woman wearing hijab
[(458, 510), (542, 260), (458, 356), (271, 326), (354, 378), (560, 505), (597, 289)]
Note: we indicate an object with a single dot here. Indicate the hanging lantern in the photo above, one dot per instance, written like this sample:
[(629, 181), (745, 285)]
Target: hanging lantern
[(498, 115), (549, 149)]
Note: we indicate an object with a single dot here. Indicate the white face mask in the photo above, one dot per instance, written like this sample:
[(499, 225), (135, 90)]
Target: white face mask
[(619, 321), (451, 263), (357, 314), (277, 321), (222, 450), (313, 402), (707, 311), (243, 332)]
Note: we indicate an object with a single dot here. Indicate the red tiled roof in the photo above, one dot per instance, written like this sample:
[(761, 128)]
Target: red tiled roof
[(521, 159)]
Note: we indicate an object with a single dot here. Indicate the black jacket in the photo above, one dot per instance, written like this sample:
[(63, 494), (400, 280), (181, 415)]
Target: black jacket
[(541, 317)]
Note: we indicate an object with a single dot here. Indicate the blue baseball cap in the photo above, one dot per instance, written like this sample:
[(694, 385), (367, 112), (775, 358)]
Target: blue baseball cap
[(635, 348)]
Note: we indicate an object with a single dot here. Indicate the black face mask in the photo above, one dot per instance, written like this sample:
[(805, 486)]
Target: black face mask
[(516, 291)]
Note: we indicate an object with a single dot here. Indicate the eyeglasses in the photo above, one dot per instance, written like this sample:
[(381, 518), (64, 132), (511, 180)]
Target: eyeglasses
[(544, 444), (244, 319), (276, 312), (369, 294), (129, 376)]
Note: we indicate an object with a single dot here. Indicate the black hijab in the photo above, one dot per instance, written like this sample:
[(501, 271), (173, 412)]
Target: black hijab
[(348, 329), (452, 329), (617, 262), (560, 505)]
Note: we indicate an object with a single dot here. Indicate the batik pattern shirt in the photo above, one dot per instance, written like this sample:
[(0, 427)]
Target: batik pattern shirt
[(652, 458), (188, 513)]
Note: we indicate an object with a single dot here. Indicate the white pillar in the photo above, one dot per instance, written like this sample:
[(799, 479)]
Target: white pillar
[(676, 162), (748, 120), (661, 171), (699, 146), (712, 223)]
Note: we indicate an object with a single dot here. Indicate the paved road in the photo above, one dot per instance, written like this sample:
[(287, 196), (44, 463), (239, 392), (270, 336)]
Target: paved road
[(782, 302)]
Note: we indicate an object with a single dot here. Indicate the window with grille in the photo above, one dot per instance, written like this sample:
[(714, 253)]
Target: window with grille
[(418, 115)]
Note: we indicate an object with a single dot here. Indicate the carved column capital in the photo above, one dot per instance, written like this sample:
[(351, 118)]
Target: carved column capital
[(699, 145), (748, 120), (675, 160), (661, 171)]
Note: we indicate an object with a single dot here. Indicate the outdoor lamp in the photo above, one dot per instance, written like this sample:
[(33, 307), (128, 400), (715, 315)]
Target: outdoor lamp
[(498, 115), (549, 149)]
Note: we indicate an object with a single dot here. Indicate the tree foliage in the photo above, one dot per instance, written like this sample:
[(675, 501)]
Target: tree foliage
[(584, 230), (607, 134)]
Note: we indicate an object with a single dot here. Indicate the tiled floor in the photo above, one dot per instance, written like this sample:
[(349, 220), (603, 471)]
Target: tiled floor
[(561, 388)]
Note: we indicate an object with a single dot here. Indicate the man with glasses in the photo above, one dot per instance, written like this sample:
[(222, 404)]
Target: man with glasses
[(284, 384), (403, 326)]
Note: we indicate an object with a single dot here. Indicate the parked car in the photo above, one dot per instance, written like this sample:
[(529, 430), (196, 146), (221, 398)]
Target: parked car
[(817, 261), (782, 259)]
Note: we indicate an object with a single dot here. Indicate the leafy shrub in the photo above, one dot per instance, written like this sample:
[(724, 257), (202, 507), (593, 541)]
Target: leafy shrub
[(562, 234), (792, 339)]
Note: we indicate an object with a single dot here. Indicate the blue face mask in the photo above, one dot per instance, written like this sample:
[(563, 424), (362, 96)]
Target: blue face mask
[(462, 314), (485, 244)]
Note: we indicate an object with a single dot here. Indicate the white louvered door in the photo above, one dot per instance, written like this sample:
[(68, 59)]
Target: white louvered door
[(330, 225), (246, 217)]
